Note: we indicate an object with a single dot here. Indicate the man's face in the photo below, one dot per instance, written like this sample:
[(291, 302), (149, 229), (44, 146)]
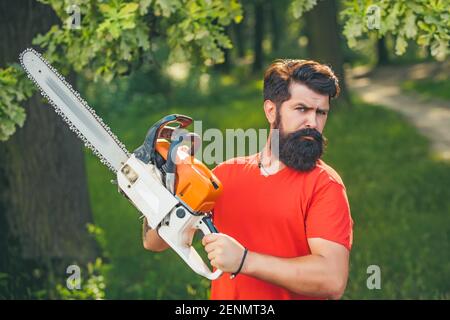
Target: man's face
[(305, 109), (300, 121)]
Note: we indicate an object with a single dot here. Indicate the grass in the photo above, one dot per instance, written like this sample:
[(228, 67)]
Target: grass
[(398, 194), (429, 88), (399, 200)]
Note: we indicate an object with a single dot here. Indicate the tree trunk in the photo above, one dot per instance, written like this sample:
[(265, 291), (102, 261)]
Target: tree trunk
[(259, 36), (275, 24), (383, 55), (239, 42), (324, 43), (44, 202)]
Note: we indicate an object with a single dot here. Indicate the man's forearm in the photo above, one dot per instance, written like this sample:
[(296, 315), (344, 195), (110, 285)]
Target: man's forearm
[(311, 275), (151, 239)]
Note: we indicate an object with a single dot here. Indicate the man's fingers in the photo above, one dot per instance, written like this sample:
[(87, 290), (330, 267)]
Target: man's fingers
[(209, 247), (211, 255), (209, 238)]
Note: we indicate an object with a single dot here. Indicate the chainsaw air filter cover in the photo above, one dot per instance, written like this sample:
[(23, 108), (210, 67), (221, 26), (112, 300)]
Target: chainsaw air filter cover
[(195, 185)]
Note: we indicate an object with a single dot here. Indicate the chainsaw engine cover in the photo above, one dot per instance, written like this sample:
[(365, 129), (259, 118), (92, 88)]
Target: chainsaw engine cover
[(195, 185)]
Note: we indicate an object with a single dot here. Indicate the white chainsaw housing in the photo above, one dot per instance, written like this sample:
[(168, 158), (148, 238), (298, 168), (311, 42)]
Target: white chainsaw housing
[(141, 184)]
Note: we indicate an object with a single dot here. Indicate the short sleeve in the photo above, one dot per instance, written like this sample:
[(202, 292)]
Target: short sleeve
[(216, 171), (329, 217)]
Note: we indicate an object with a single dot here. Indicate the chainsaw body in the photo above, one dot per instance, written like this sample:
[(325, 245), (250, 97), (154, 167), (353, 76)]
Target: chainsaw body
[(172, 189)]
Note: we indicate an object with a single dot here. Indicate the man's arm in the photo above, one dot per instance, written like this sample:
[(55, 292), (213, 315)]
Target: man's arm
[(323, 273), (151, 239)]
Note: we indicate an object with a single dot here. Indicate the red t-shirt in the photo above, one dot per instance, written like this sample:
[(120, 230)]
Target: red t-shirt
[(275, 215)]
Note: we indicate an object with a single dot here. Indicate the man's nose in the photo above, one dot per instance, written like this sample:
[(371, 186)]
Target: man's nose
[(311, 121)]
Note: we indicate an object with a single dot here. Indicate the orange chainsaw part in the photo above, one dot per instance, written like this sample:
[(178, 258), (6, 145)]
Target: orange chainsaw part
[(195, 184)]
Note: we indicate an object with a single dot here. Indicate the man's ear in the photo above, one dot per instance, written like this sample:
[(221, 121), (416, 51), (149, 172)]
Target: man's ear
[(270, 110)]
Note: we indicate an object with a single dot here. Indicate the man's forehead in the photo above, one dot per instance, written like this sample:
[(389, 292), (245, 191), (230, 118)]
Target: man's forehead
[(322, 104), (300, 93)]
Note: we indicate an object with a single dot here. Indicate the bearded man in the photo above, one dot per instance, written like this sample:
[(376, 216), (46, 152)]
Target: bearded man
[(283, 216)]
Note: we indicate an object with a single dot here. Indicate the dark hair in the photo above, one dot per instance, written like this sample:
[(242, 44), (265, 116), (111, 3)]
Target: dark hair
[(281, 73)]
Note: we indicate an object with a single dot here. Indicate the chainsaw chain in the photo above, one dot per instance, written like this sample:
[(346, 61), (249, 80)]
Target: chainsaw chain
[(67, 120)]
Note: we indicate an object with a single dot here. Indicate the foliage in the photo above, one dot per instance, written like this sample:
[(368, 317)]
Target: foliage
[(426, 22), (299, 7), (14, 89), (114, 34), (93, 286), (115, 37), (49, 278)]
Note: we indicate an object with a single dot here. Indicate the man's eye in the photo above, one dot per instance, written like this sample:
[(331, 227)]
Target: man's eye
[(321, 112), (302, 109)]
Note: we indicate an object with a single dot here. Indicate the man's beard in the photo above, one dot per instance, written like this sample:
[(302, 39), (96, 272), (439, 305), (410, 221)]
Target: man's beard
[(301, 149)]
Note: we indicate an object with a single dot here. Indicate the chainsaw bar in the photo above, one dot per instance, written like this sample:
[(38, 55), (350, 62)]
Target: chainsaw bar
[(74, 110)]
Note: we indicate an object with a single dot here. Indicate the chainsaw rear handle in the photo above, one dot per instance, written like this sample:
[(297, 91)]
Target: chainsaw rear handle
[(207, 227), (146, 152), (207, 221), (179, 231)]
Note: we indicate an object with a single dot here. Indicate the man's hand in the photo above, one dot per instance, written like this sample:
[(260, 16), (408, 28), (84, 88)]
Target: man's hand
[(224, 252)]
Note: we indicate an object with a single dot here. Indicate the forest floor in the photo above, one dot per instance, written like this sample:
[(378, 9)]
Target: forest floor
[(383, 86)]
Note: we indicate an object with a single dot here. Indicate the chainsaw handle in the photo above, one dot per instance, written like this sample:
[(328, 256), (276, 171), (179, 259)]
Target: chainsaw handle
[(146, 152), (179, 232), (207, 227), (194, 144), (171, 161), (206, 222)]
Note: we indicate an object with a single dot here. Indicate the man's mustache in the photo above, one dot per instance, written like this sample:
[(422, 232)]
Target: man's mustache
[(307, 134)]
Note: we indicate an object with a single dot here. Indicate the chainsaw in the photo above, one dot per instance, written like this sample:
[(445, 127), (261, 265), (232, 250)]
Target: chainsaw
[(172, 189)]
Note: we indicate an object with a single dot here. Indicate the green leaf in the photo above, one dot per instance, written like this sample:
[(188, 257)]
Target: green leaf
[(129, 8), (114, 30), (423, 26), (201, 34), (400, 45), (424, 40), (410, 26), (439, 49), (189, 37), (299, 7), (166, 7), (128, 25), (352, 29), (143, 6), (105, 8), (7, 127)]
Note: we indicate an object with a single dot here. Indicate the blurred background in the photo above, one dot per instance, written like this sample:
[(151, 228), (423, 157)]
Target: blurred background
[(137, 61)]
